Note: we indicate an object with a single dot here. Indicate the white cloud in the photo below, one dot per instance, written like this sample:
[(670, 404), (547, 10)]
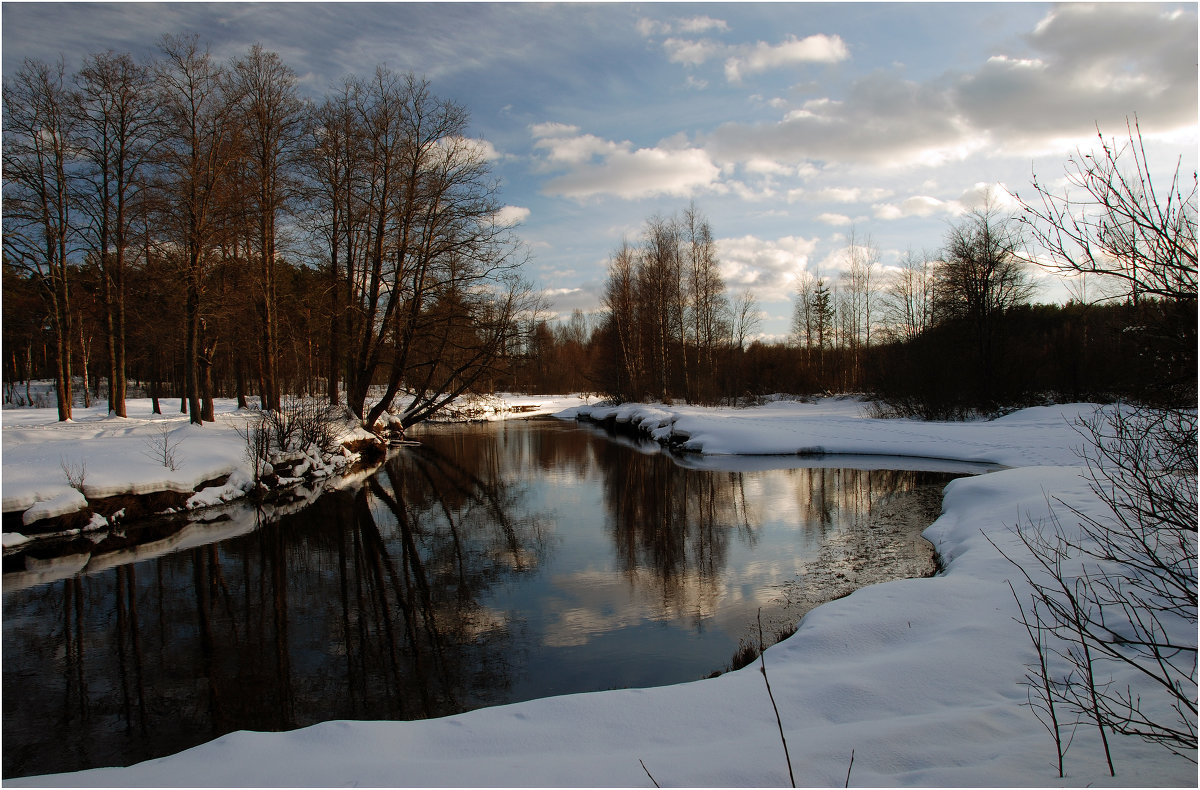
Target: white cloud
[(576, 148), (604, 167), (553, 129), (818, 48), (647, 27), (1084, 65), (512, 215), (981, 193), (767, 267), (701, 24), (915, 206), (973, 197), (1094, 64), (691, 52), (561, 301), (843, 194), (834, 219)]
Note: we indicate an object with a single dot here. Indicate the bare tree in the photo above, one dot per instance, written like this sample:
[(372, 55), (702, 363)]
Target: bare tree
[(38, 129), (196, 159), (620, 302), (982, 276), (803, 330), (332, 163), (118, 129), (432, 294), (271, 115), (706, 301), (746, 319), (908, 298), (660, 286)]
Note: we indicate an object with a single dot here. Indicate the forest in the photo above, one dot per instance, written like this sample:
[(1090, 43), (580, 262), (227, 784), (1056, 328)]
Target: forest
[(200, 230), (191, 229)]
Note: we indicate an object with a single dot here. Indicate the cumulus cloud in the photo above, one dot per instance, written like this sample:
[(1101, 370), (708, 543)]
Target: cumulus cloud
[(512, 215), (818, 48), (972, 198), (768, 268), (840, 194), (883, 119), (915, 206), (1093, 64), (1085, 65), (834, 219), (598, 167)]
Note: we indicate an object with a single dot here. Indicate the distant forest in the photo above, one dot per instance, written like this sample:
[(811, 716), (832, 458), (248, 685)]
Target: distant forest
[(196, 230)]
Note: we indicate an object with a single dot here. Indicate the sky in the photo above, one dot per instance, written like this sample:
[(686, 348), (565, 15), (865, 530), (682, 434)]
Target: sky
[(792, 126)]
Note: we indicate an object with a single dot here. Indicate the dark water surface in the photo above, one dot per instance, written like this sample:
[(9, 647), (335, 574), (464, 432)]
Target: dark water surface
[(494, 564)]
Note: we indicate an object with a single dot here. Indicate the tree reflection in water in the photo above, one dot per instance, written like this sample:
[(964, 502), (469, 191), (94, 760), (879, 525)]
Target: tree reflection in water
[(365, 605), (487, 566)]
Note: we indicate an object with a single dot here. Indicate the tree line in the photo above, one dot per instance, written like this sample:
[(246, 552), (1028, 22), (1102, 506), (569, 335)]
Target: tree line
[(216, 232), (943, 333)]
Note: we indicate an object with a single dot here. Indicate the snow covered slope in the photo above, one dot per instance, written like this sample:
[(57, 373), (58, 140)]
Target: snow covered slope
[(921, 679)]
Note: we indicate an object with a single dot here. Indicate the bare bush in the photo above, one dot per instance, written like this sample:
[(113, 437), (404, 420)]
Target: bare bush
[(76, 473), (159, 447), (298, 424), (1113, 600), (301, 422), (257, 438)]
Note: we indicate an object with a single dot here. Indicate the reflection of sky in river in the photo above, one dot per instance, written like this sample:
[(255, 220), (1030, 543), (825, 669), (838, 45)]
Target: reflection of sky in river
[(583, 598), (490, 565)]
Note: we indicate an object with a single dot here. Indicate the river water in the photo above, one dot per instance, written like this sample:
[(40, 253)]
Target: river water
[(492, 564)]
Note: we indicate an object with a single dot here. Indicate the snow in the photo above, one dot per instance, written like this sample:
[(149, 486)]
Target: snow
[(14, 539), (60, 503), (122, 455), (919, 679), (1041, 435)]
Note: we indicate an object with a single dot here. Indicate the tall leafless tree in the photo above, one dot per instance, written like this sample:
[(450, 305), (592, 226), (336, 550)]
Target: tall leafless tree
[(271, 116), (197, 103), (707, 303), (117, 132), (908, 298), (981, 276), (38, 165)]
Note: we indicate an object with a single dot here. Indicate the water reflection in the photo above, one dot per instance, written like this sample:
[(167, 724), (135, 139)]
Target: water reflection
[(490, 565)]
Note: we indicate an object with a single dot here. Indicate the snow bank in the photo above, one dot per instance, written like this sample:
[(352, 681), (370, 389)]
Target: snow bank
[(1037, 436), (920, 678), (118, 455), (60, 504)]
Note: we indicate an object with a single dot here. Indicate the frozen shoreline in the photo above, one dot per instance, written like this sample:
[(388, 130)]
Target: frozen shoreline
[(921, 678)]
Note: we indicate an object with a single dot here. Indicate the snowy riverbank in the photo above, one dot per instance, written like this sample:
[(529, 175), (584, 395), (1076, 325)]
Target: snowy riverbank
[(920, 678), (111, 456)]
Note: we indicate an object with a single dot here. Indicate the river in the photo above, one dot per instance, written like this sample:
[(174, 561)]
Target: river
[(491, 564)]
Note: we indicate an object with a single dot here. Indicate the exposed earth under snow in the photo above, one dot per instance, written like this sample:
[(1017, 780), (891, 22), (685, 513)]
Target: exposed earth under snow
[(919, 680)]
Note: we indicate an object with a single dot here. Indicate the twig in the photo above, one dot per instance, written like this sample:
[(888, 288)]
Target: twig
[(647, 770), (763, 660), (848, 769)]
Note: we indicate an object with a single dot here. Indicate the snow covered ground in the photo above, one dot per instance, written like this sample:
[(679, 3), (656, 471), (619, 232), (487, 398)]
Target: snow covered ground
[(920, 680), (116, 455)]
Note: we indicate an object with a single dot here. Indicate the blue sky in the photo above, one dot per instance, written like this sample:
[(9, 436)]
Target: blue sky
[(789, 124)]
